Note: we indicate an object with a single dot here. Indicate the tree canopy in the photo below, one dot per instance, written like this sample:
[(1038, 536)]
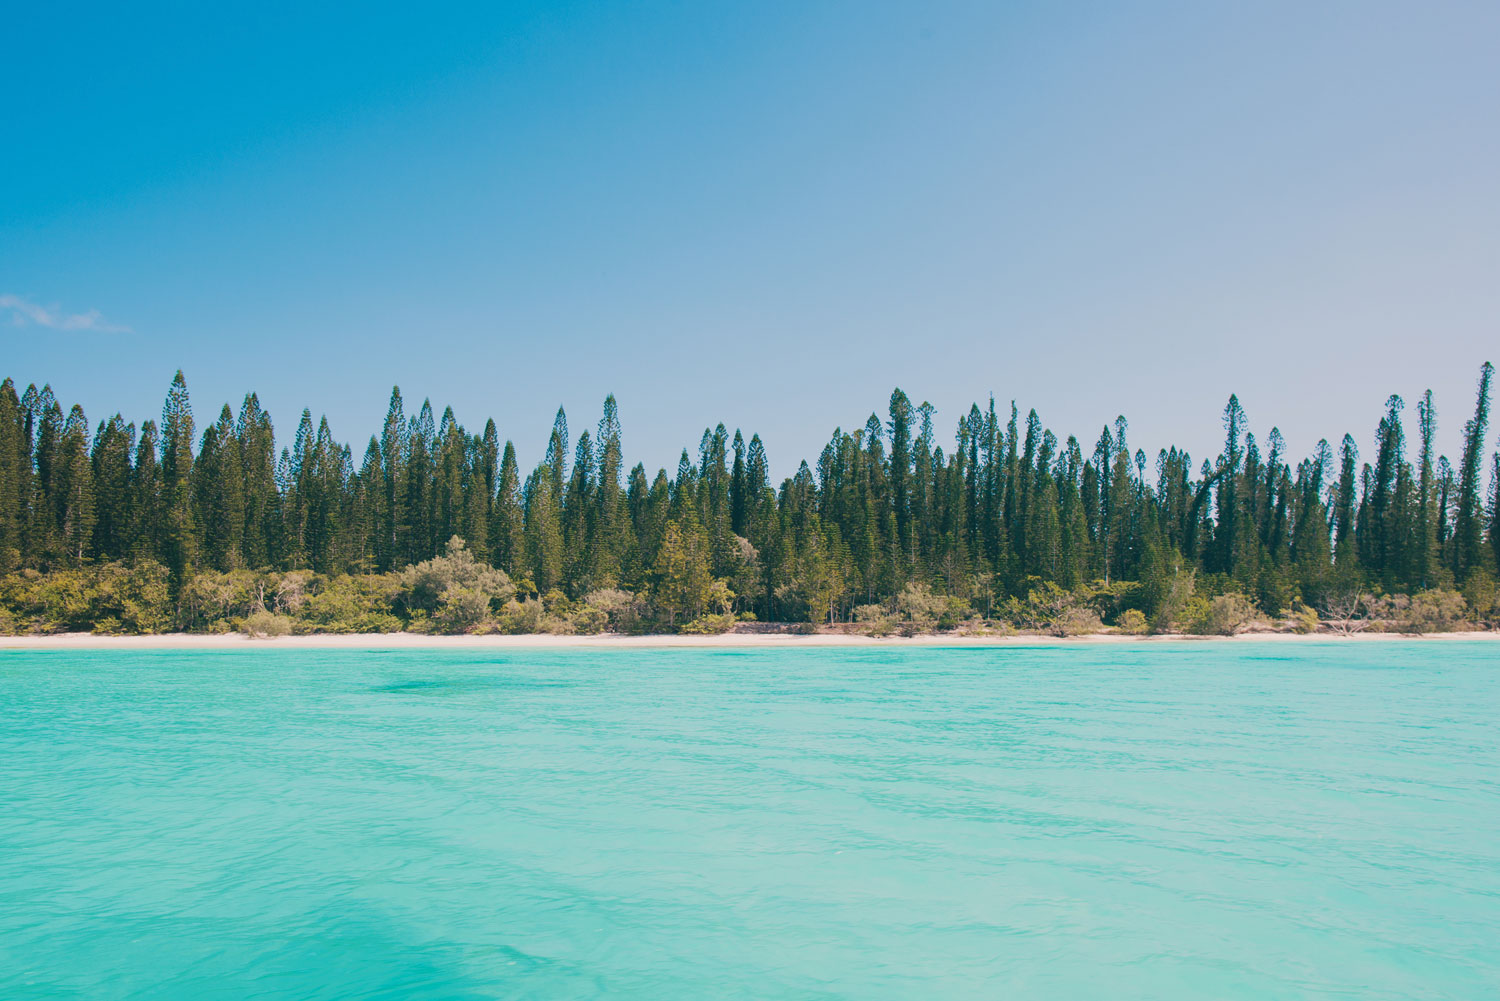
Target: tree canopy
[(1011, 509)]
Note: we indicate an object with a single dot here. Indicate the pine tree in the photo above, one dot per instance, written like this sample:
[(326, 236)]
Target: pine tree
[(448, 487), (322, 478), (1123, 540), (544, 541), (113, 443), (1426, 559), (420, 540), (557, 453), (713, 500), (486, 483), (1384, 547), (371, 517), (899, 428), (507, 525), (256, 442), (75, 488), (478, 477), (180, 532), (1468, 515), (1344, 541), (1227, 524), (43, 544), (1494, 510), (147, 527), (15, 477), (681, 583), (579, 519), (1447, 489), (220, 494), (394, 524), (739, 488)]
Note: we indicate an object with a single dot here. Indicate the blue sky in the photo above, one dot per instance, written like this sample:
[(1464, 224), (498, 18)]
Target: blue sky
[(766, 214)]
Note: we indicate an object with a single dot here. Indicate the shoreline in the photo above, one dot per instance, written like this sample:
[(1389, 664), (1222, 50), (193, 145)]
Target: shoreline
[(604, 641)]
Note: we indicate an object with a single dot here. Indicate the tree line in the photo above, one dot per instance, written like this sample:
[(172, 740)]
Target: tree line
[(1010, 508)]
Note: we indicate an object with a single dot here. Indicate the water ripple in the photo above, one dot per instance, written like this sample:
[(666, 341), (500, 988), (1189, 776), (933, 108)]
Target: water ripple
[(1196, 821)]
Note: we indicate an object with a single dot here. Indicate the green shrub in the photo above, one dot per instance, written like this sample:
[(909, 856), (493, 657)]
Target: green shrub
[(1133, 622), (113, 598), (1177, 603), (517, 617), (62, 601), (347, 604), (874, 620), (261, 624), (128, 600), (1304, 620), (1226, 615), (1434, 611), (918, 609), (1481, 595), (623, 611), (1076, 622), (209, 600), (461, 609), (589, 620), (455, 590), (709, 625), (1045, 609)]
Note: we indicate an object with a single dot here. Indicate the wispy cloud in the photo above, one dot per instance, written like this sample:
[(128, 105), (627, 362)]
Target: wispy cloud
[(25, 313)]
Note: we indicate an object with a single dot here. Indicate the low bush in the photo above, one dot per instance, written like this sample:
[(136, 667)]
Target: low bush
[(1133, 622), (517, 617), (345, 604), (874, 620), (1225, 615), (1304, 620), (589, 620), (209, 600), (456, 591), (709, 625), (1431, 611), (114, 598), (261, 624), (624, 612), (1076, 622), (1482, 596), (917, 609), (133, 600)]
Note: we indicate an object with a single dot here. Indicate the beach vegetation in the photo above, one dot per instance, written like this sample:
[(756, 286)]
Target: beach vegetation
[(165, 524), (1224, 615), (261, 624)]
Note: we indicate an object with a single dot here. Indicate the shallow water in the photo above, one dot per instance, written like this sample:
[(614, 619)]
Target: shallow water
[(1185, 821)]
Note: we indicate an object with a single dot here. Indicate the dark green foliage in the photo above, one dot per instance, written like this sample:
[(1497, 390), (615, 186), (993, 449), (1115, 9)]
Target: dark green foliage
[(15, 477), (1468, 516), (1013, 518), (179, 543)]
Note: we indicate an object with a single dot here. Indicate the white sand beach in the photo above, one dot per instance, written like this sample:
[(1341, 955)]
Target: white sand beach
[(398, 641)]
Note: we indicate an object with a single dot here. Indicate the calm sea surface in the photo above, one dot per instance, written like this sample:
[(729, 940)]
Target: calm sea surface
[(1198, 821)]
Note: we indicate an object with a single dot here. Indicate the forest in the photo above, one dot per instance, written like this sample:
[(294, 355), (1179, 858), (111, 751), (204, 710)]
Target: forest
[(126, 528)]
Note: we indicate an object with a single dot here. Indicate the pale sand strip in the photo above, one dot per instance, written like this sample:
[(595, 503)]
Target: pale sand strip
[(395, 641)]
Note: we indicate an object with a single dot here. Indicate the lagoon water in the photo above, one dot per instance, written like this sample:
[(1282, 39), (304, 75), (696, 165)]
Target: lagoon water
[(1308, 820)]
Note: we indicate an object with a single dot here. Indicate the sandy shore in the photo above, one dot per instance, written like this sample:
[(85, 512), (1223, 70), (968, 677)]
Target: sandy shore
[(398, 641)]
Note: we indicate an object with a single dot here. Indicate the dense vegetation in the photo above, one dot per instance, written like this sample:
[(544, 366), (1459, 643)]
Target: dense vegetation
[(151, 528)]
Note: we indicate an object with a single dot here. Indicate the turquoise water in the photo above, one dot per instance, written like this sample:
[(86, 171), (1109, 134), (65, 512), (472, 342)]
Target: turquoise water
[(1184, 821)]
